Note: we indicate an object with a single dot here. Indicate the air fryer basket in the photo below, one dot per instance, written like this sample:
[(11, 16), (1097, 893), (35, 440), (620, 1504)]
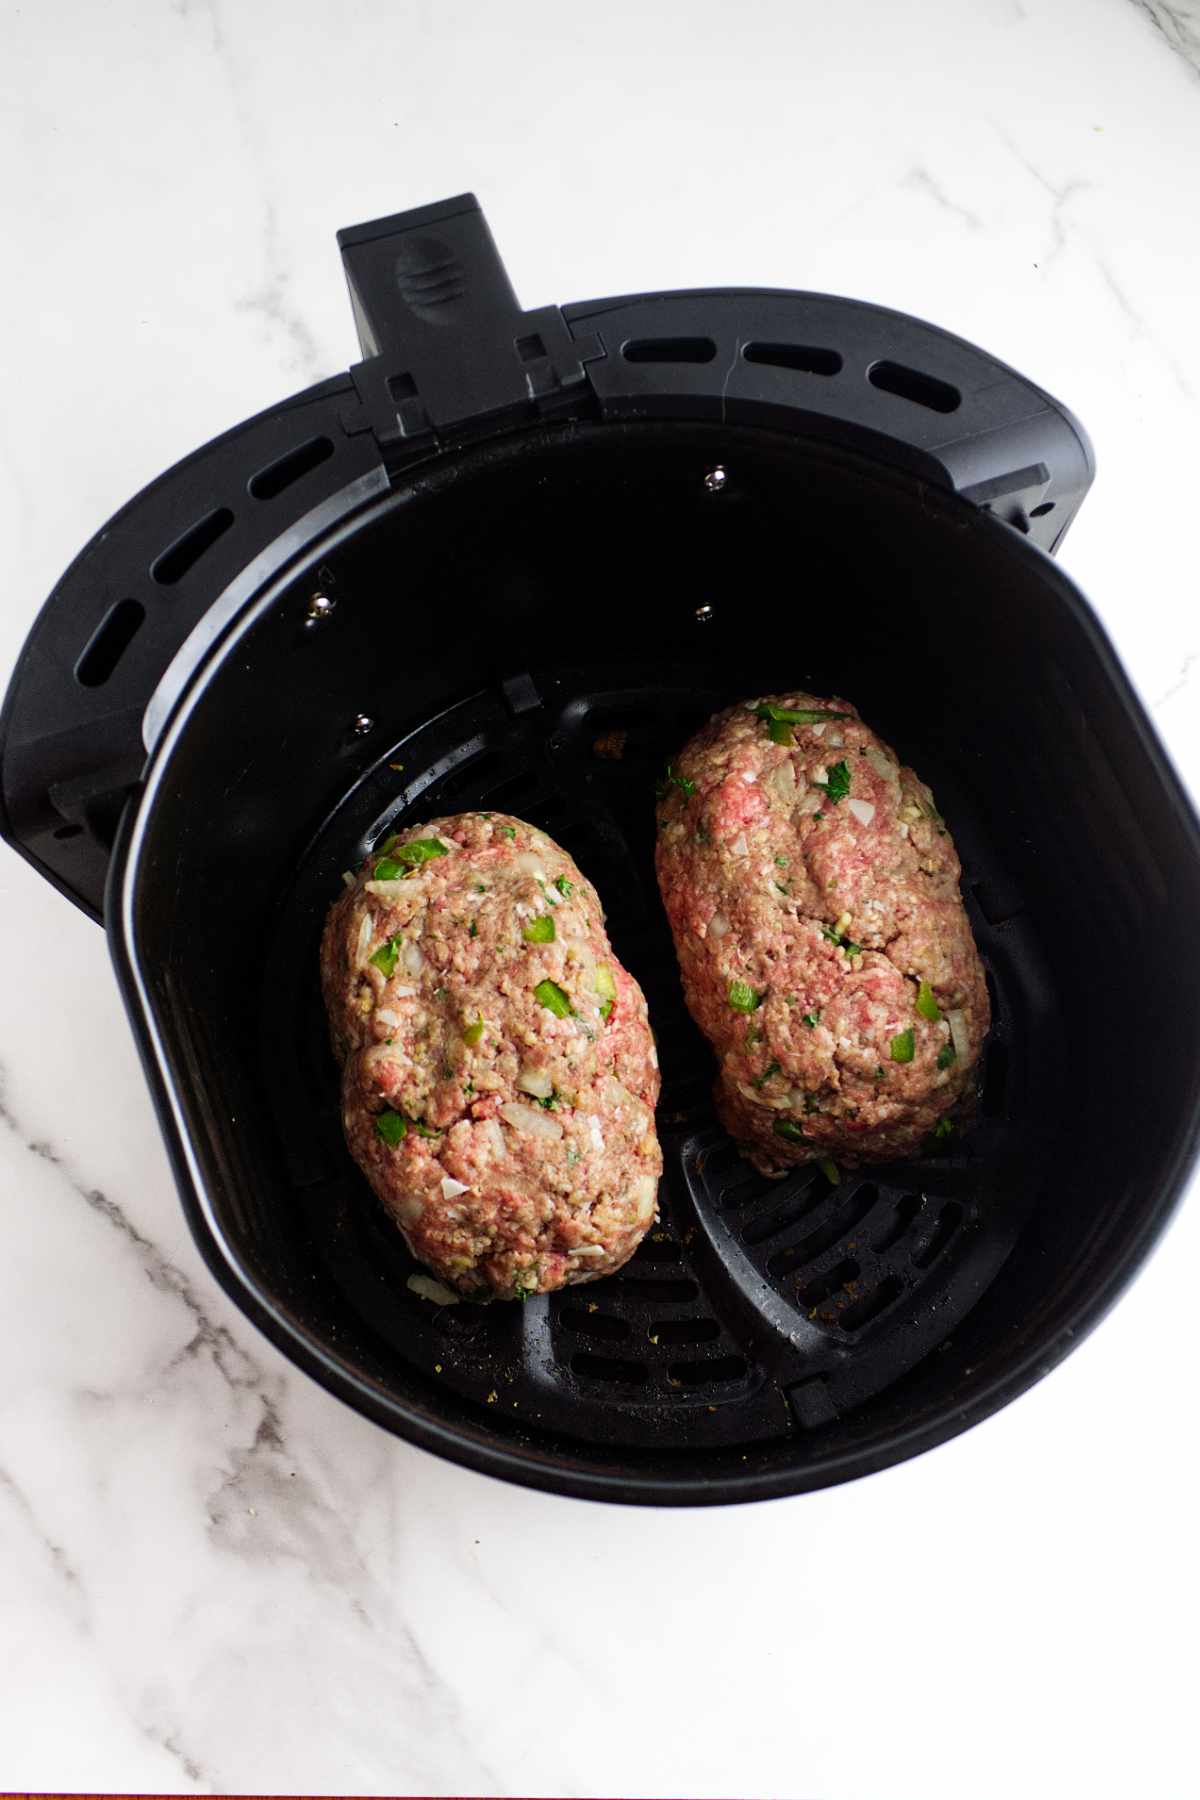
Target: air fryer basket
[(463, 616)]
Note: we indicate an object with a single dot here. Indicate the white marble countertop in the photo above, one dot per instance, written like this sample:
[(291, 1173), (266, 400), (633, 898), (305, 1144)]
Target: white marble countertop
[(213, 1575)]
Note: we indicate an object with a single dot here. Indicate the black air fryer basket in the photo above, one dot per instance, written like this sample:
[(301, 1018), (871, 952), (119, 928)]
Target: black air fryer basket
[(435, 583)]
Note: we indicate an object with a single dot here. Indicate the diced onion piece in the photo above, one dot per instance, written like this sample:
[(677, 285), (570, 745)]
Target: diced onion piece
[(819, 774), (536, 1082), (780, 782), (818, 730), (958, 1031), (863, 810), (526, 863), (836, 739), (451, 1189), (386, 890), (587, 1250), (739, 846), (414, 962), (645, 1195), (386, 1016), (490, 1129), (882, 765), (809, 801), (366, 927), (749, 776), (718, 925), (530, 1120), (429, 1289), (347, 878)]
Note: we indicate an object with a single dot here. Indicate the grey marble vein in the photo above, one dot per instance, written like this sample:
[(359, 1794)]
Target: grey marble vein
[(1178, 26), (272, 300), (922, 182), (1061, 196), (167, 1738), (60, 1563), (235, 1365)]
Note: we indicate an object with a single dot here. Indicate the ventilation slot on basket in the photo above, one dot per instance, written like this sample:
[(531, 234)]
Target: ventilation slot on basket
[(839, 1225), (609, 1368), (708, 1374), (684, 1331), (816, 1292), (809, 359), (597, 1324), (658, 1248), (912, 384), (186, 551), (669, 350), (285, 471), (1039, 512), (900, 1223), (949, 1220), (861, 1312), (651, 1293), (766, 1225), (108, 644)]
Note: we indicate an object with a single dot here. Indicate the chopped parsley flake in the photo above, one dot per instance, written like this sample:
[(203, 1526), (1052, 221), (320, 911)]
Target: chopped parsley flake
[(946, 1055), (566, 888), (838, 784), (386, 869), (392, 1127), (927, 1006), (572, 1154), (671, 779), (813, 1019), (508, 831), (473, 929), (903, 1046), (797, 715), (742, 997), (385, 957), (843, 943), (539, 930), (553, 999), (421, 850), (781, 862), (472, 1033), (830, 1171), (423, 1130), (788, 1128), (760, 1081), (943, 1129)]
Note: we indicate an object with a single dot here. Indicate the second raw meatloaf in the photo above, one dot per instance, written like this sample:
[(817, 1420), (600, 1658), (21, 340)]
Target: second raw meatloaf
[(498, 1074), (813, 893)]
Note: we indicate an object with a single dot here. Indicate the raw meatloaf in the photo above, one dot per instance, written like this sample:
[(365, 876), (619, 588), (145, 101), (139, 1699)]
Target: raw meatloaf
[(499, 1076), (813, 892)]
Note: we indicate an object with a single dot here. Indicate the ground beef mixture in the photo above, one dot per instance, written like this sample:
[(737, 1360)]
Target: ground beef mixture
[(499, 1076), (813, 892)]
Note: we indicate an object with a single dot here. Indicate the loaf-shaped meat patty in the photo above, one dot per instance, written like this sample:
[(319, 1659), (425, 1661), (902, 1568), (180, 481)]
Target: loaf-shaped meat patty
[(813, 893), (499, 1078)]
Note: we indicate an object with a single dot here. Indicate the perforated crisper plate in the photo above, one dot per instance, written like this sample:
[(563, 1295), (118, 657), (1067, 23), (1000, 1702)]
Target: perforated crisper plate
[(754, 1307)]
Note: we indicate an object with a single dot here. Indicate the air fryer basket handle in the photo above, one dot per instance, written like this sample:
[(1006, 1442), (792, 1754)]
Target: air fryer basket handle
[(448, 352), (449, 356)]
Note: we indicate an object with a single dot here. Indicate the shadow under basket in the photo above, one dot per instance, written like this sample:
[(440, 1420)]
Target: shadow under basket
[(483, 630)]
